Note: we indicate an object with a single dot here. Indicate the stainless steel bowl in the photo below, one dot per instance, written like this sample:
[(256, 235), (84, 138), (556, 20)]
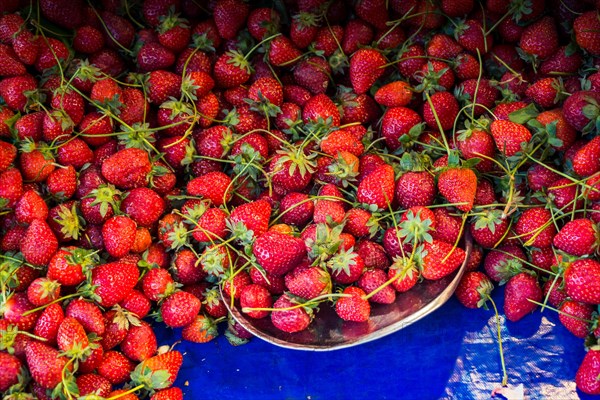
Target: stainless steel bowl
[(328, 332)]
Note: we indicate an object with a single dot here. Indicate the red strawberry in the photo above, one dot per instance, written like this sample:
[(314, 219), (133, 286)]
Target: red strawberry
[(586, 27), (48, 322), (179, 309), (582, 281), (415, 189), (43, 291), (88, 314), (377, 188), (201, 330), (577, 237), (441, 259), (321, 107), (115, 367), (71, 337), (140, 342), (93, 384), (11, 366), (168, 364), (118, 234), (394, 94), (63, 12), (509, 136), (587, 374), (14, 309), (474, 289), (366, 66), (456, 8), (214, 186), (519, 290), (458, 186), (575, 316), (13, 90), (154, 57), (372, 280), (535, 227), (374, 12), (290, 320), (355, 307), (278, 253), (328, 39), (540, 39), (113, 281), (308, 282), (39, 244), (489, 228), (303, 29), (255, 296), (587, 159), (442, 107), (230, 16), (127, 169), (397, 122), (88, 39), (471, 36), (443, 46), (162, 85), (45, 364), (173, 393)]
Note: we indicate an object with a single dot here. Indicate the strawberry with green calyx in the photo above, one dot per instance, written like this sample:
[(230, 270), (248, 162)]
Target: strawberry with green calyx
[(503, 263), (377, 188), (578, 237), (308, 282), (582, 281), (458, 186), (403, 273), (176, 117), (250, 220), (278, 253), (439, 259), (354, 307), (322, 243), (291, 169), (172, 231), (377, 286), (288, 316), (158, 372), (415, 225), (13, 371), (489, 228), (216, 259), (346, 266), (110, 283), (474, 290), (202, 329)]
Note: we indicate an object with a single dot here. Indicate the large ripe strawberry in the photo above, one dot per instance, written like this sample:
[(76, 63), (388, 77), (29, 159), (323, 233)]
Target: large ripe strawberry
[(48, 323), (118, 235), (586, 28), (582, 281), (509, 136), (113, 281), (202, 329), (39, 243), (45, 364), (354, 307), (13, 91), (458, 186), (575, 316), (93, 384), (377, 188), (396, 123), (115, 367), (278, 253), (366, 66), (586, 161), (440, 259), (308, 282), (587, 373), (290, 319), (578, 237), (88, 314), (322, 107), (255, 296), (535, 227), (394, 94), (415, 189), (159, 371), (519, 290), (214, 186), (140, 342), (127, 169), (230, 16), (442, 108), (540, 39), (474, 289), (179, 309), (71, 338)]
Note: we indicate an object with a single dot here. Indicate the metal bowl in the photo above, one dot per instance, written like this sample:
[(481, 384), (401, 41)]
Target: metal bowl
[(328, 332)]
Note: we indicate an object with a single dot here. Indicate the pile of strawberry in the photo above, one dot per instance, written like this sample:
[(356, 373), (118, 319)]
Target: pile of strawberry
[(314, 154)]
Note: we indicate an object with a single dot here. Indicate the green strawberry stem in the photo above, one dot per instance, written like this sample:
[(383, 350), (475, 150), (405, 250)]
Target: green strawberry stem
[(310, 302), (559, 311), (499, 336), (527, 263), (310, 199), (40, 308), (267, 39), (132, 390), (460, 233)]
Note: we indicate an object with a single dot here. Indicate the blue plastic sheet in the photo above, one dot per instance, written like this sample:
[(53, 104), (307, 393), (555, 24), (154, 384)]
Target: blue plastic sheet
[(452, 354)]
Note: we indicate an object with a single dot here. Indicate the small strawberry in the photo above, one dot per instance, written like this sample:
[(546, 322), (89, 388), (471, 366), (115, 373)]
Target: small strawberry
[(375, 279), (442, 108), (474, 289), (519, 290), (397, 123), (394, 94), (118, 235), (43, 291), (11, 366), (366, 66), (14, 311), (354, 307), (308, 282), (535, 227), (113, 281), (587, 373), (115, 367), (140, 342), (575, 316), (586, 27), (201, 330), (88, 314), (39, 243), (540, 39), (48, 322), (214, 186), (255, 296), (377, 188), (489, 228), (441, 259), (509, 136), (71, 338)]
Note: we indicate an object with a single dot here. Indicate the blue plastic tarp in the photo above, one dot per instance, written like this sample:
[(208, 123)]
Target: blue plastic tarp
[(451, 354)]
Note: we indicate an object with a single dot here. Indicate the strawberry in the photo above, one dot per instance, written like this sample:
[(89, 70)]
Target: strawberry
[(415, 189), (442, 108), (14, 309), (201, 330), (577, 237), (51, 52), (366, 66), (456, 8), (118, 32), (313, 74), (582, 281), (63, 12), (540, 39), (174, 32), (587, 373), (394, 94), (127, 169), (179, 309), (509, 136), (71, 337), (214, 186), (88, 40), (321, 107), (173, 393), (162, 85), (262, 22), (443, 46), (113, 281), (45, 364), (165, 365), (13, 90), (118, 235), (504, 263), (587, 159), (295, 209), (43, 291), (278, 253), (474, 289), (140, 342), (563, 131), (586, 28), (290, 320), (471, 36), (88, 314), (563, 61), (564, 195), (39, 243), (303, 29), (10, 65), (372, 280), (519, 290), (479, 94), (458, 186), (144, 206), (328, 39), (11, 371), (308, 282), (231, 69), (93, 384), (115, 367), (30, 207), (154, 57), (230, 16), (377, 188), (545, 92), (441, 259), (396, 123), (574, 316), (255, 296), (375, 12), (158, 284), (48, 323), (354, 307)]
